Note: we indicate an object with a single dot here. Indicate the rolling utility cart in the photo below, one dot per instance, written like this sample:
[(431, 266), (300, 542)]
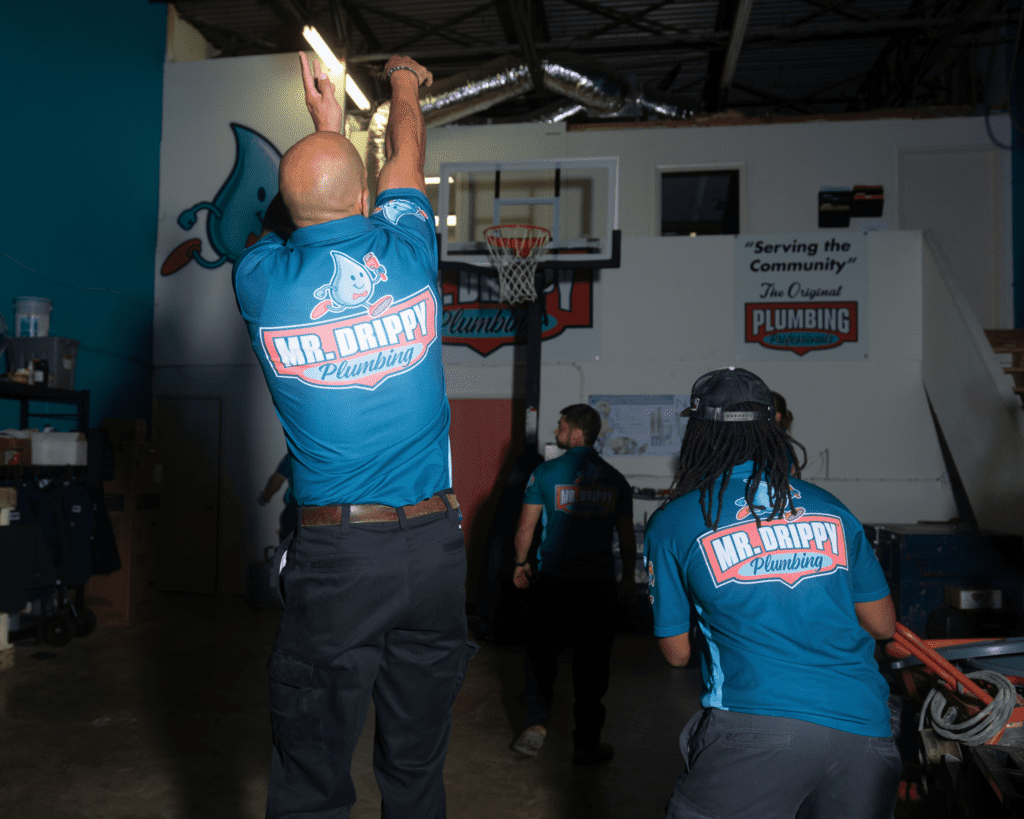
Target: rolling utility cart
[(969, 739)]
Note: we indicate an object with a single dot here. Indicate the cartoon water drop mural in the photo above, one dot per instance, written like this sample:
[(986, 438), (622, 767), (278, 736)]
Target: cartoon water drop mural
[(235, 216)]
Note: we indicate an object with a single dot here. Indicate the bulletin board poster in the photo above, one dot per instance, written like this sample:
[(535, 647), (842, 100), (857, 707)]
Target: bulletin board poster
[(802, 296), (640, 424)]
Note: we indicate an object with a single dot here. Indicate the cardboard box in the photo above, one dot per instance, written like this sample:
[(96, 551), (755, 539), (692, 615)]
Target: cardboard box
[(15, 451), (130, 595), (138, 469), (125, 430), (960, 597), (134, 502)]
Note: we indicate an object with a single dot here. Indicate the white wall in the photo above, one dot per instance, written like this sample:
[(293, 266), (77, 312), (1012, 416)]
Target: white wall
[(663, 319), (973, 399), (667, 317)]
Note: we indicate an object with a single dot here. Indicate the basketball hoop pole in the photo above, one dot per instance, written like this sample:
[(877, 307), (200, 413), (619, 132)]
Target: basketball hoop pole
[(515, 250), (531, 387)]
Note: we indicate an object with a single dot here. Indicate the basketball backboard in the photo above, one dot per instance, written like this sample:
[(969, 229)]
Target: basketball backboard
[(576, 199)]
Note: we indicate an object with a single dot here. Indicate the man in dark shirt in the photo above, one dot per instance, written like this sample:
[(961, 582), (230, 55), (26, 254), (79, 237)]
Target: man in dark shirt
[(581, 500)]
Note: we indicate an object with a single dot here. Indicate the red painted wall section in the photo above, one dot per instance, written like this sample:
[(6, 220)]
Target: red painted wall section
[(481, 437)]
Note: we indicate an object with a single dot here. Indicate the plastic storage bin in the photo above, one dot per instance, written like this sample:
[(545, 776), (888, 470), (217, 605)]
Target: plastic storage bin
[(32, 317), (59, 354)]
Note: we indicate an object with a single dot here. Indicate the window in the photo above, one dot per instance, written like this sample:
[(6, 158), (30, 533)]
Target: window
[(700, 203)]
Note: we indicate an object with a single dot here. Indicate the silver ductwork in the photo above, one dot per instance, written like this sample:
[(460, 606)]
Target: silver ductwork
[(453, 99), (599, 93), (656, 102), (463, 95), (557, 112)]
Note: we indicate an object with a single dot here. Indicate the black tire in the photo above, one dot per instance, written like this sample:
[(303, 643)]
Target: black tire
[(85, 622), (58, 629)]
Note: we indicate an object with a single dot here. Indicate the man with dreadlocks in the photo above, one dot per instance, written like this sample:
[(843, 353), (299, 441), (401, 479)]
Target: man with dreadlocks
[(789, 599)]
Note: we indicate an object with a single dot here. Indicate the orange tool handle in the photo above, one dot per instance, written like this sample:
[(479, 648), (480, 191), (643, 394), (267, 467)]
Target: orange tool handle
[(944, 669)]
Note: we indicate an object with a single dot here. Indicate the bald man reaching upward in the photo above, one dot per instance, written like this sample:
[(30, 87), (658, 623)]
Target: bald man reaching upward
[(344, 316)]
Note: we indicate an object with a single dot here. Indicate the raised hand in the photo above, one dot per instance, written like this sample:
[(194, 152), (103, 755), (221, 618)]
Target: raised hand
[(321, 103), (422, 75)]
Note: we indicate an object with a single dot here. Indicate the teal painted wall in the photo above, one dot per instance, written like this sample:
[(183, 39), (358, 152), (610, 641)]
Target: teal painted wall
[(81, 150)]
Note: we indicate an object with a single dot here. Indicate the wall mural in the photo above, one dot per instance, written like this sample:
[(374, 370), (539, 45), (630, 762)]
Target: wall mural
[(235, 216)]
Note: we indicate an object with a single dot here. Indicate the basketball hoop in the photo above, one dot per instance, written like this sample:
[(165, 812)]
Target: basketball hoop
[(515, 251)]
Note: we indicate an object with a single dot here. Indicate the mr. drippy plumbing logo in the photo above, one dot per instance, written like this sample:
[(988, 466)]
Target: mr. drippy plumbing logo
[(370, 341), (787, 551)]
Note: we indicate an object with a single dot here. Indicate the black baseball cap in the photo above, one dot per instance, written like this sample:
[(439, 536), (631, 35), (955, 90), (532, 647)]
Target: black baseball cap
[(714, 392)]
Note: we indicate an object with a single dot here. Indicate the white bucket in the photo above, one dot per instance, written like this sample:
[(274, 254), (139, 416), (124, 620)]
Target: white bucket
[(31, 317)]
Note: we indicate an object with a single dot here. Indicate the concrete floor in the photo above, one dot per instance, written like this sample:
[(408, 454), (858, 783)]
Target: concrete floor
[(169, 720)]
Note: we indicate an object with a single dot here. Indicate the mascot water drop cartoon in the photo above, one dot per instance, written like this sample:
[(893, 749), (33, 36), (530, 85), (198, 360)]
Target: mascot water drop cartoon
[(351, 286), (235, 216)]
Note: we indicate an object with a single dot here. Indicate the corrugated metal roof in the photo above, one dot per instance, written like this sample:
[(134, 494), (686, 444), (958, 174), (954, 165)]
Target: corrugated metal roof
[(798, 55)]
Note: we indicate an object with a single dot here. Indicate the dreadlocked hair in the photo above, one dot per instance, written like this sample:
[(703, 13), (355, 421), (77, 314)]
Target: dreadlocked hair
[(711, 449)]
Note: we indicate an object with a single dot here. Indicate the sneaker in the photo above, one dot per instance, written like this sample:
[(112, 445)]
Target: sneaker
[(530, 741), (596, 756)]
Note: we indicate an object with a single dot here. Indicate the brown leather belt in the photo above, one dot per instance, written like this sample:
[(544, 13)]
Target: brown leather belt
[(374, 512)]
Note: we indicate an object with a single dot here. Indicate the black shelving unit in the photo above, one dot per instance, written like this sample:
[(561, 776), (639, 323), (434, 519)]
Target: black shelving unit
[(91, 474), (27, 393)]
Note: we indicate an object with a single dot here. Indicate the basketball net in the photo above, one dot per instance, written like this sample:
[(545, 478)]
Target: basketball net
[(515, 251)]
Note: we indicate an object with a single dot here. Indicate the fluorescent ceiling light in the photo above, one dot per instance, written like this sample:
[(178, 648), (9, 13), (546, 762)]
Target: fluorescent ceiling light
[(333, 65)]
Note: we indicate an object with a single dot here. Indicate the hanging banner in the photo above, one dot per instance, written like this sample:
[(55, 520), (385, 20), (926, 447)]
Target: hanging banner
[(800, 294), (473, 318)]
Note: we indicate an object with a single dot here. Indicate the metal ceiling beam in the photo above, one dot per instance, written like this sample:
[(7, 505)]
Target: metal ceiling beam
[(712, 97), (813, 96), (458, 39), (668, 78), (228, 42), (868, 29), (506, 18), (534, 11), (840, 7), (622, 18), (732, 52), (910, 55), (289, 11), (522, 20), (639, 14), (732, 16), (443, 26), (775, 99), (355, 16), (703, 40)]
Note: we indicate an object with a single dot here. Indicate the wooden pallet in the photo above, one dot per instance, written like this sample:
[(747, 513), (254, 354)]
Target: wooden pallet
[(1012, 342)]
